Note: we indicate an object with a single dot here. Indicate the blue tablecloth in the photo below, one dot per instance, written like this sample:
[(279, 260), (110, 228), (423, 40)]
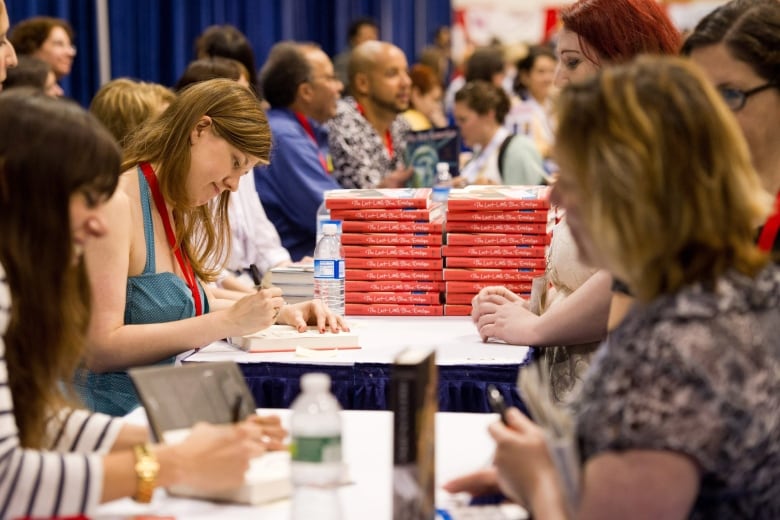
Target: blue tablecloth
[(364, 386)]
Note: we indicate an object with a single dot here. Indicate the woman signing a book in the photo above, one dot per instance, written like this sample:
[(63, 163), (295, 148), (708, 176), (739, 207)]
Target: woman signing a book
[(169, 232), (58, 166), (678, 415)]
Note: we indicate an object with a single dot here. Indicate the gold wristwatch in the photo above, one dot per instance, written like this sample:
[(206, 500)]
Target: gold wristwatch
[(146, 468)]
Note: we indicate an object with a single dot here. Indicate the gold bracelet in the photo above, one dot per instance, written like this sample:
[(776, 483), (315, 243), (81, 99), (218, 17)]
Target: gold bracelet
[(146, 469)]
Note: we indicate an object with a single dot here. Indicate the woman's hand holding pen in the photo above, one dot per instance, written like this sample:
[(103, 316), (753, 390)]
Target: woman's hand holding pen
[(255, 312), (212, 457)]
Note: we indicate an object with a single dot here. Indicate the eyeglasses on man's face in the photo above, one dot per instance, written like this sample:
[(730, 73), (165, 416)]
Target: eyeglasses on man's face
[(736, 98)]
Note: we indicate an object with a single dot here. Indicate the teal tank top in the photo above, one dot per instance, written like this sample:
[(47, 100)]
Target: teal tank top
[(151, 298)]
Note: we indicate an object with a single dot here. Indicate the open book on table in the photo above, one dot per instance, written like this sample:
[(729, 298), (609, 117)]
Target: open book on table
[(285, 338), (176, 398)]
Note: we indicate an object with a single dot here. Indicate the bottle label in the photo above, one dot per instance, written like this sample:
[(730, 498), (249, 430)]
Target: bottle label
[(316, 449), (329, 269)]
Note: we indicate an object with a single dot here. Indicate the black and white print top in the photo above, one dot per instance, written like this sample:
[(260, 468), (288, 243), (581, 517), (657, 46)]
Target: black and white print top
[(697, 373), (68, 478), (360, 156)]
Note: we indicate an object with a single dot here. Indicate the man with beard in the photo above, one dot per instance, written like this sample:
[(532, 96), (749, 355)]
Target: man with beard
[(298, 82), (367, 137)]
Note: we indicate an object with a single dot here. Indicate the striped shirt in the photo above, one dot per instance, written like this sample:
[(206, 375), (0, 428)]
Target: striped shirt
[(67, 479)]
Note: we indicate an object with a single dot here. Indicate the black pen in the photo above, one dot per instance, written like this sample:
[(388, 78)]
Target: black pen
[(237, 404), (256, 276)]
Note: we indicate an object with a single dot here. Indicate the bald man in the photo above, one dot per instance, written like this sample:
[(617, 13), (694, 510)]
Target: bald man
[(368, 137)]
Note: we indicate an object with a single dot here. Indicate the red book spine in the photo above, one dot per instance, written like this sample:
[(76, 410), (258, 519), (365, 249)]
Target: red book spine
[(395, 286), (376, 309), (402, 214), (393, 297), (466, 298), (457, 310), (389, 239), (388, 226), (378, 198), (492, 276), (395, 263), (494, 251), (496, 239), (389, 275), (531, 215), (496, 204), (496, 263), (475, 287), (528, 228), (387, 252)]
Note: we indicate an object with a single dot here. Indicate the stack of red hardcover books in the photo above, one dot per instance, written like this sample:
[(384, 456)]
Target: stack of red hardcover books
[(495, 235), (392, 242)]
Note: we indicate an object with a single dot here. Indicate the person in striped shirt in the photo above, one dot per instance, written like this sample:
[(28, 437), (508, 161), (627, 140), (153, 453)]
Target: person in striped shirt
[(58, 166)]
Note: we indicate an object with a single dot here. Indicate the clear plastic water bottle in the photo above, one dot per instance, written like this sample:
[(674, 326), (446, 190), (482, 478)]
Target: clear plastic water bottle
[(323, 215), (441, 190), (315, 430), (329, 269)]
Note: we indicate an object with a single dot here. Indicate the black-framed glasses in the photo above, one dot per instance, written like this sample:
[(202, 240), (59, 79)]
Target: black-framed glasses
[(736, 98)]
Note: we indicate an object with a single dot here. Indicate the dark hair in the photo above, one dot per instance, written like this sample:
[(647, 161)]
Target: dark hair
[(210, 68), (750, 29), (29, 72), (619, 30), (526, 64), (227, 41), (482, 96), (28, 35), (484, 63), (284, 70), (357, 24), (50, 149)]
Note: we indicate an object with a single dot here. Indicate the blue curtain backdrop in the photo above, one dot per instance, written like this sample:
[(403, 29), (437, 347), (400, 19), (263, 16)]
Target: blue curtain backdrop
[(152, 40)]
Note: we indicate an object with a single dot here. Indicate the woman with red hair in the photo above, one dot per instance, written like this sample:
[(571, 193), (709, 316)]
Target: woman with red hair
[(575, 311)]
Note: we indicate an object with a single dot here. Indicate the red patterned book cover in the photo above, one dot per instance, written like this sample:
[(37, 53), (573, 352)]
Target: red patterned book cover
[(518, 215), (494, 276), (419, 264), (393, 274), (387, 252), (428, 298), (495, 239), (495, 251), (380, 309), (496, 263), (528, 228), (391, 239), (378, 198), (393, 285), (499, 198), (431, 214), (389, 226)]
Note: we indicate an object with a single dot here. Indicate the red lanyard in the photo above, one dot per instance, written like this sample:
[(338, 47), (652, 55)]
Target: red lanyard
[(388, 135), (768, 234), (183, 261), (310, 131)]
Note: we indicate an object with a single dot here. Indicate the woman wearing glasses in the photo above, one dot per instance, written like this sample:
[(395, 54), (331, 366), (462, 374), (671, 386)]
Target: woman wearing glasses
[(736, 46)]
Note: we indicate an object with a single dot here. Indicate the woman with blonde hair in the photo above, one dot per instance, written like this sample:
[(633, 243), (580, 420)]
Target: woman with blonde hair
[(677, 417), (171, 233), (123, 104)]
